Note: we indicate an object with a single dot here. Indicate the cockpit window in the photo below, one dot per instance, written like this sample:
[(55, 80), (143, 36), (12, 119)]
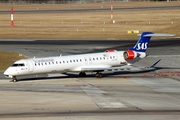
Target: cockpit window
[(18, 64), (14, 65)]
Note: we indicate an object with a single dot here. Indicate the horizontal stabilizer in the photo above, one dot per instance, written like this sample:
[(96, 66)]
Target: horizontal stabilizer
[(156, 35)]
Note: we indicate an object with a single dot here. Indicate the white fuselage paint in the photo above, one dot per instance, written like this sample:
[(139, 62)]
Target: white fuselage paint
[(73, 63)]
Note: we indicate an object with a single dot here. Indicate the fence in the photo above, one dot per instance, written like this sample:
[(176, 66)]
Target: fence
[(68, 1)]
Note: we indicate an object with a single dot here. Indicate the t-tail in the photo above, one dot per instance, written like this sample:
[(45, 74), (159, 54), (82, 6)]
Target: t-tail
[(143, 42), (139, 50)]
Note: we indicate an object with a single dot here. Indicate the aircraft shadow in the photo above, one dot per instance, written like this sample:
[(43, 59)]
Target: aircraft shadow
[(105, 74)]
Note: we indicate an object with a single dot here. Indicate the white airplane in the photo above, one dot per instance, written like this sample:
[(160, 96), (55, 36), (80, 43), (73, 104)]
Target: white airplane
[(95, 62)]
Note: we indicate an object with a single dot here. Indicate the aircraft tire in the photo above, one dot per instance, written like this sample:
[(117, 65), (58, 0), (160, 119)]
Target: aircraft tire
[(14, 79), (82, 74), (99, 75)]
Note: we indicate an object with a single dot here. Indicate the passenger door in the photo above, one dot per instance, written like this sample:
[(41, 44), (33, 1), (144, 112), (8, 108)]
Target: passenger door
[(90, 60), (30, 66)]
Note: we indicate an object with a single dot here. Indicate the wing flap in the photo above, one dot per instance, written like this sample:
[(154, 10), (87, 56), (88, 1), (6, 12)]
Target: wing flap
[(92, 69), (120, 68)]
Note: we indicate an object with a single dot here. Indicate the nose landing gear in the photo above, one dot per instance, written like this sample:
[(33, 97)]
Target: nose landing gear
[(14, 79)]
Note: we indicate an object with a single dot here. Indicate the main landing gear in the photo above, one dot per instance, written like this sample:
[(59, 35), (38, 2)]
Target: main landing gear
[(99, 75), (14, 79), (82, 74)]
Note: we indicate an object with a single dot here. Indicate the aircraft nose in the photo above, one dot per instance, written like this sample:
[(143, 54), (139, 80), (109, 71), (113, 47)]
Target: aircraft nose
[(7, 72)]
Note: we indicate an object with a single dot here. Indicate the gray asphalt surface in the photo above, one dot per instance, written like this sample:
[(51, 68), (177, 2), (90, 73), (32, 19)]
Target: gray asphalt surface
[(120, 95), (43, 48), (91, 10), (125, 95)]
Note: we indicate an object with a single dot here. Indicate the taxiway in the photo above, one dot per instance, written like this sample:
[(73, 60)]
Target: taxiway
[(153, 94)]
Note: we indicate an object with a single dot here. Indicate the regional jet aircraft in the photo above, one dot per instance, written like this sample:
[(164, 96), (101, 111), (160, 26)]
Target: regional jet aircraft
[(82, 63)]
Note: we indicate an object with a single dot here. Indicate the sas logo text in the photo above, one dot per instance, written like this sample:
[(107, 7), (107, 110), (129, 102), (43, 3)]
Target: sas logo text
[(141, 46)]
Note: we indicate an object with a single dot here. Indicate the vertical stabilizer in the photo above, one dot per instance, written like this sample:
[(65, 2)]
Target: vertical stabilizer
[(143, 42)]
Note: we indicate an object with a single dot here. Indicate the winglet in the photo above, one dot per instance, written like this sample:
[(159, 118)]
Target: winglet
[(153, 65)]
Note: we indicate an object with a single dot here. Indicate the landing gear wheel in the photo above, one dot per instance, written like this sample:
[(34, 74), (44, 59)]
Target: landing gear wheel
[(99, 75), (82, 74), (14, 79)]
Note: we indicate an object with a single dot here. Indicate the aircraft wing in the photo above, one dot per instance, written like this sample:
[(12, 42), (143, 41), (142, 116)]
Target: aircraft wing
[(119, 68), (93, 69), (113, 69)]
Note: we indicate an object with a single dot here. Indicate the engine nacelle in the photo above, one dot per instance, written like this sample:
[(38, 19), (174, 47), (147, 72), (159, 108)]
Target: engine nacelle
[(111, 50), (130, 54)]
